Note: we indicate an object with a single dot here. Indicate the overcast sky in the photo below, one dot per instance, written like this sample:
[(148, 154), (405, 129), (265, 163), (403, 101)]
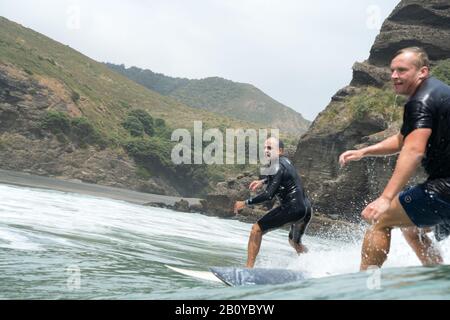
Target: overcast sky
[(298, 52)]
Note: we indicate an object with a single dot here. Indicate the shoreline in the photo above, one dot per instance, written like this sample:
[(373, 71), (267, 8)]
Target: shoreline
[(23, 179)]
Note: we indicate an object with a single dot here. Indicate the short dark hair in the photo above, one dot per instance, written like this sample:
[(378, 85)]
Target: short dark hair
[(422, 57)]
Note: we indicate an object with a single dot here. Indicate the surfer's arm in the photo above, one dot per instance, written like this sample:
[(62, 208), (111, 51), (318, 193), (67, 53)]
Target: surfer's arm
[(388, 146), (255, 185), (270, 191), (409, 159)]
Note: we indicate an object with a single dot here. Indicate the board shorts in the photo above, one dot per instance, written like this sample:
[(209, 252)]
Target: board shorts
[(297, 216), (425, 208)]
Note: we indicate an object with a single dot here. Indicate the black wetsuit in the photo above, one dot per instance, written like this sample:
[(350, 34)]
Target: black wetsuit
[(429, 108), (295, 208)]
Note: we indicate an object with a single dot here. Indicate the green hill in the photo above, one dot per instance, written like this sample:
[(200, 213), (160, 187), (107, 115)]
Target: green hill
[(236, 100), (105, 96), (63, 114)]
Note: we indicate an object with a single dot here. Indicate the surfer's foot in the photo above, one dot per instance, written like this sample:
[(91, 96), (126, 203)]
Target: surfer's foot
[(300, 248)]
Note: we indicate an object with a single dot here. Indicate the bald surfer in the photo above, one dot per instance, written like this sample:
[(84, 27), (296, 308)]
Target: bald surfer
[(295, 207)]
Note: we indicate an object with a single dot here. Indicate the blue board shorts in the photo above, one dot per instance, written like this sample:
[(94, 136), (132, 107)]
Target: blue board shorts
[(425, 208)]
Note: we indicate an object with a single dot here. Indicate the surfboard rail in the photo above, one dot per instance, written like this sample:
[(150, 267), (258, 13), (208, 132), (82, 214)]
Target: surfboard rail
[(235, 276), (203, 275)]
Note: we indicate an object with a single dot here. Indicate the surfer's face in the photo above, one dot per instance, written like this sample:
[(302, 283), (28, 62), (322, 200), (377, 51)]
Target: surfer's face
[(406, 76), (271, 149)]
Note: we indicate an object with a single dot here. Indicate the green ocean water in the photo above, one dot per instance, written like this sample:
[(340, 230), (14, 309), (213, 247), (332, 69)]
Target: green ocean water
[(56, 245)]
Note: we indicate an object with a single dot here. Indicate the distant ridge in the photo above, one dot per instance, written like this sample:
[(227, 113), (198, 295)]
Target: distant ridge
[(236, 100)]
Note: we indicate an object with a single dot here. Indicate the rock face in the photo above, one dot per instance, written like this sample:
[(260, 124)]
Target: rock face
[(220, 202), (414, 23), (337, 128)]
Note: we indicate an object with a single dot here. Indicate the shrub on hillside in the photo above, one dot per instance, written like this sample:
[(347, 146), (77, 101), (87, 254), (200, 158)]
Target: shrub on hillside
[(376, 101), (78, 130), (83, 131), (442, 71), (145, 118), (134, 126), (56, 122)]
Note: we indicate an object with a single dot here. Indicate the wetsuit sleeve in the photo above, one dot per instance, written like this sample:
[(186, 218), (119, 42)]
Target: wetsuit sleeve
[(417, 115), (270, 190)]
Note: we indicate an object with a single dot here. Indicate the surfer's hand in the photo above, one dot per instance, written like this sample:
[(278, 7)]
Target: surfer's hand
[(350, 155), (238, 206), (375, 209), (256, 185)]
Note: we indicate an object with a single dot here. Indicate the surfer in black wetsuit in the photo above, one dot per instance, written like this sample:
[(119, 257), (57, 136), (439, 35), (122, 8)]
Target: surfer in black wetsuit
[(424, 137), (295, 208)]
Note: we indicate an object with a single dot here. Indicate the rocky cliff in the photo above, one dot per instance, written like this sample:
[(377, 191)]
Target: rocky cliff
[(367, 110)]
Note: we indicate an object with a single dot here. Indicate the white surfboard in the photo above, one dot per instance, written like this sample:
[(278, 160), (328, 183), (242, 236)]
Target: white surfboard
[(234, 276), (204, 275)]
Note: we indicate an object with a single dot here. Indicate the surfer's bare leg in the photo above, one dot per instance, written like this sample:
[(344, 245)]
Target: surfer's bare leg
[(297, 231), (423, 246), (254, 243), (377, 240)]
